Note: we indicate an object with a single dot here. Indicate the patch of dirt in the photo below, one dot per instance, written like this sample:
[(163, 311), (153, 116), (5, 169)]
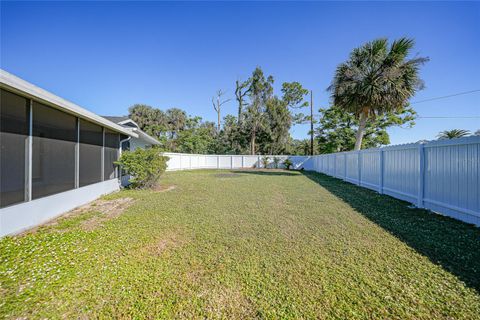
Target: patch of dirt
[(167, 242), (109, 209), (162, 188)]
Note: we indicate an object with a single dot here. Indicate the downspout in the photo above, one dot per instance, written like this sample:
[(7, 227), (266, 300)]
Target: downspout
[(120, 154), (121, 142)]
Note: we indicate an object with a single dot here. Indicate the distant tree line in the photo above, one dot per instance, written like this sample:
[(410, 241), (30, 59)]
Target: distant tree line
[(370, 93), (262, 124)]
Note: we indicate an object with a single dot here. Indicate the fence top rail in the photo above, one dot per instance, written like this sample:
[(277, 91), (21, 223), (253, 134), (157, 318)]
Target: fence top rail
[(402, 146), (453, 142), (231, 155)]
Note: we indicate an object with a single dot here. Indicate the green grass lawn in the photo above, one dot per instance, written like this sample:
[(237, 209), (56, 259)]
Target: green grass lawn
[(251, 244)]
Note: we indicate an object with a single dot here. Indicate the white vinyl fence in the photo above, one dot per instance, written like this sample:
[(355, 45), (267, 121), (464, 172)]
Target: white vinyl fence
[(184, 161), (443, 175)]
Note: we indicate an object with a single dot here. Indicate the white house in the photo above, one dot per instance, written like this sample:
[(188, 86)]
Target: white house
[(142, 141), (54, 155)]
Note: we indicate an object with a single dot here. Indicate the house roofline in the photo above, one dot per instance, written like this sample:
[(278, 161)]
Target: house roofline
[(143, 135), (17, 85)]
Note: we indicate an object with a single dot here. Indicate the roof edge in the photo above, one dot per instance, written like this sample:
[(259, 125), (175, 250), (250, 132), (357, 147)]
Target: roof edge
[(18, 85), (147, 137)]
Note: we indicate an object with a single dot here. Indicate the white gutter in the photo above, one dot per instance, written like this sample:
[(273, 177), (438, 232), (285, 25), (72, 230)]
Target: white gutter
[(13, 83), (122, 141)]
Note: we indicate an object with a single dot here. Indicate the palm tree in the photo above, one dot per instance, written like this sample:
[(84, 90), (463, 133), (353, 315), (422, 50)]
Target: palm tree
[(452, 134), (378, 78)]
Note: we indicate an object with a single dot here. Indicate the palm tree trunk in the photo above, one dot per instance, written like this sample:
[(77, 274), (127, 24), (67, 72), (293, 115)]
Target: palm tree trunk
[(360, 131)]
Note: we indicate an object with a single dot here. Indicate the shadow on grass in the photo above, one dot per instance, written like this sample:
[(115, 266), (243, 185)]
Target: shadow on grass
[(447, 242), (268, 172)]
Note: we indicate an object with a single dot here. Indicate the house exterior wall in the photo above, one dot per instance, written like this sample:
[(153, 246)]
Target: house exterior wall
[(45, 152), (20, 217)]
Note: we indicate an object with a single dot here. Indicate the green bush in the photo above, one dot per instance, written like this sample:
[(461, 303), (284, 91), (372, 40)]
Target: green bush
[(144, 165), (288, 164), (276, 161), (265, 161)]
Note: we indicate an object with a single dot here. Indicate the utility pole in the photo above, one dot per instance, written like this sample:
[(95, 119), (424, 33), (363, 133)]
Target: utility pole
[(311, 122)]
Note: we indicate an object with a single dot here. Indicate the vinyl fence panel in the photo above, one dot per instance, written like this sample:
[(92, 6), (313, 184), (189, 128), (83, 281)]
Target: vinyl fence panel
[(401, 172), (370, 169), (452, 178), (351, 174), (443, 176), (183, 161)]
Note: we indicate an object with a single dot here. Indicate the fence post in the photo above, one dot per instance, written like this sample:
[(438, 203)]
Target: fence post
[(231, 162), (421, 175), (243, 161), (345, 166), (218, 162), (380, 187), (190, 158), (259, 164), (359, 168), (334, 165)]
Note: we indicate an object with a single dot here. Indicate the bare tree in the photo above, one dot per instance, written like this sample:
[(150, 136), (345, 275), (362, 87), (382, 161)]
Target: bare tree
[(217, 105), (242, 88)]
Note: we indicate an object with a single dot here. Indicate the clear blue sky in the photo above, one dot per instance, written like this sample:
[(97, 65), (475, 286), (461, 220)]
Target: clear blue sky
[(108, 56)]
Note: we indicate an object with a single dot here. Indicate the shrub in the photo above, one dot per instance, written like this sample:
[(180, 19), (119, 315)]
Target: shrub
[(265, 161), (276, 161), (288, 163), (144, 165)]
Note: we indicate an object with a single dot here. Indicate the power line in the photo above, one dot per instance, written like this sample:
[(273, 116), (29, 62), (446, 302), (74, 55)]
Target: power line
[(448, 96), (461, 117), (431, 117), (438, 98)]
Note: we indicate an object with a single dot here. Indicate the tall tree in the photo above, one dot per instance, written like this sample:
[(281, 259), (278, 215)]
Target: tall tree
[(337, 128), (242, 88), (177, 120), (218, 102), (453, 134), (279, 121), (197, 137), (294, 95), (378, 78), (260, 92), (151, 120)]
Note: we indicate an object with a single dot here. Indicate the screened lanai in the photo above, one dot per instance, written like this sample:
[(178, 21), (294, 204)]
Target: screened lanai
[(49, 146)]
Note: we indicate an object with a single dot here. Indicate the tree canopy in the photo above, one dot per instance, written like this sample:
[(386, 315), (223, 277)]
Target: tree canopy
[(377, 79), (370, 93)]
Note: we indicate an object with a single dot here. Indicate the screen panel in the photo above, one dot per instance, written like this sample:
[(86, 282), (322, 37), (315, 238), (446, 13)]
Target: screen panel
[(53, 155), (90, 157), (112, 142), (14, 126)]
